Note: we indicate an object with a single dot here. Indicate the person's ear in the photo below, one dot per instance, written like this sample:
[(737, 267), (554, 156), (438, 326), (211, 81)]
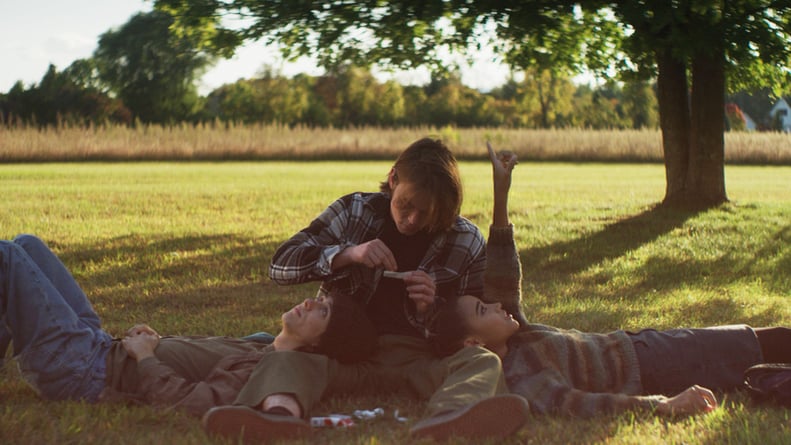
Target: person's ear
[(473, 341), (392, 178)]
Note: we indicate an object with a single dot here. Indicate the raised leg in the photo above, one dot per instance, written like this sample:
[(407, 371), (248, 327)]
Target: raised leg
[(59, 353), (60, 277)]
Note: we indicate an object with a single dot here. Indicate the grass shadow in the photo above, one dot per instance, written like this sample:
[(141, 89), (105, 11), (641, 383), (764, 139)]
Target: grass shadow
[(594, 296), (569, 257), (197, 284)]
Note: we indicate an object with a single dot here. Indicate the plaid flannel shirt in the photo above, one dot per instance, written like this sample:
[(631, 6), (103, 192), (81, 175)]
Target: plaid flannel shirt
[(456, 259)]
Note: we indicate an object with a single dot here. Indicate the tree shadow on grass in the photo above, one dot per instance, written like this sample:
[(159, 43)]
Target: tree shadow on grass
[(557, 265), (779, 247), (560, 266), (196, 285), (567, 258)]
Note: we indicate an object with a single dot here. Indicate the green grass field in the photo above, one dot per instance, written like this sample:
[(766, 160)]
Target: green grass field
[(185, 247)]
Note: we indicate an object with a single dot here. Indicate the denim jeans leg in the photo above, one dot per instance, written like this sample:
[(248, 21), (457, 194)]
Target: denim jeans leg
[(715, 357), (59, 354), (60, 277)]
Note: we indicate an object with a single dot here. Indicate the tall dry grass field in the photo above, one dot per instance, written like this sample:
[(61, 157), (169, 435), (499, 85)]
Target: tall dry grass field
[(248, 142)]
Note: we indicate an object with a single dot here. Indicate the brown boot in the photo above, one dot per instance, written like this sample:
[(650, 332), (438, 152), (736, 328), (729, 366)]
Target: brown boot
[(253, 426), (495, 417)]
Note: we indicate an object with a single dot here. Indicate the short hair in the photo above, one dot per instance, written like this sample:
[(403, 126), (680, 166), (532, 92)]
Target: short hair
[(350, 335), (429, 165), (448, 329)]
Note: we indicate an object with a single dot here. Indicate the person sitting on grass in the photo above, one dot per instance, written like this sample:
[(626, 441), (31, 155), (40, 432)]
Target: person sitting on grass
[(64, 354), (411, 226), (587, 374)]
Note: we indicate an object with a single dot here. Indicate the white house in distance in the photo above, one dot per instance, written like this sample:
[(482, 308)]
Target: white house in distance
[(781, 114), (749, 123)]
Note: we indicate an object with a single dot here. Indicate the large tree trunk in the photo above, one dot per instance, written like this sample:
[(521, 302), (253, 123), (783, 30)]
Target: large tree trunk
[(673, 101), (692, 130), (706, 174)]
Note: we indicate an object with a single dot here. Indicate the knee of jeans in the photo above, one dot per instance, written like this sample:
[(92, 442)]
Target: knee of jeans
[(10, 247), (29, 242)]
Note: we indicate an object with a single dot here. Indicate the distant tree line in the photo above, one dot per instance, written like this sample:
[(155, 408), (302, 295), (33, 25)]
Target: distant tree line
[(146, 71), (143, 72), (350, 97)]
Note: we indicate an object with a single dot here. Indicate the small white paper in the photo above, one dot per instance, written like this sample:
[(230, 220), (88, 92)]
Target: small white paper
[(396, 275)]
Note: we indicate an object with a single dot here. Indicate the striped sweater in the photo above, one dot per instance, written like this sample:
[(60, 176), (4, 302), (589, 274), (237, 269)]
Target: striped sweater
[(561, 371)]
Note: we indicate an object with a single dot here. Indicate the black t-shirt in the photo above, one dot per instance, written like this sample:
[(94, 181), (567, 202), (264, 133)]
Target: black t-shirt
[(386, 306)]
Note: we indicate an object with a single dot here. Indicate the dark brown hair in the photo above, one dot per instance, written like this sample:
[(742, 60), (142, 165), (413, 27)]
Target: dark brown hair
[(350, 335), (448, 329)]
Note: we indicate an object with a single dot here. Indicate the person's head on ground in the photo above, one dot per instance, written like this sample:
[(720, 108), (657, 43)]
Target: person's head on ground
[(468, 321), (331, 324), (425, 188)]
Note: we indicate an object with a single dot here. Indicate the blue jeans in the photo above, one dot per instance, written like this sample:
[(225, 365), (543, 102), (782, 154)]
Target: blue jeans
[(58, 341), (715, 357)]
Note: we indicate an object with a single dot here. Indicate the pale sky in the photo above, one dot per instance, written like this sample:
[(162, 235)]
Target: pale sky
[(35, 33)]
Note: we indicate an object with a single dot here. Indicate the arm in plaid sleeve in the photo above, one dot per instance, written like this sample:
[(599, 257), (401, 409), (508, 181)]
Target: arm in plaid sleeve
[(308, 255)]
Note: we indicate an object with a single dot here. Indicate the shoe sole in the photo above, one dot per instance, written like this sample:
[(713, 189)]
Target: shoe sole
[(253, 426), (495, 417), (770, 382)]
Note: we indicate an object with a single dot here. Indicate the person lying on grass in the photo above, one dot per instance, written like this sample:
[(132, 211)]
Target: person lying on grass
[(64, 354), (586, 374)]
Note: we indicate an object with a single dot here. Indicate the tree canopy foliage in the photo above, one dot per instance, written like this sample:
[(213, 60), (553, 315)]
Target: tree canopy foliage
[(60, 98), (151, 69), (694, 48), (597, 35)]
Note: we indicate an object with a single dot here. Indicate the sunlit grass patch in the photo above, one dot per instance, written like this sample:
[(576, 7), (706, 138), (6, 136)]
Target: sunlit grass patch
[(185, 247)]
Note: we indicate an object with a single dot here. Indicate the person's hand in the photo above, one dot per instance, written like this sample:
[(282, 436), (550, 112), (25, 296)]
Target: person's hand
[(421, 289), (502, 165), (374, 254), (140, 328), (693, 400), (140, 345)]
